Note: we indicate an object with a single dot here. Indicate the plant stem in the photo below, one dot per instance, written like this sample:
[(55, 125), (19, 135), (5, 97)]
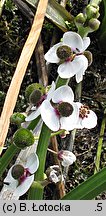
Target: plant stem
[(36, 193), (7, 157), (60, 82), (100, 142)]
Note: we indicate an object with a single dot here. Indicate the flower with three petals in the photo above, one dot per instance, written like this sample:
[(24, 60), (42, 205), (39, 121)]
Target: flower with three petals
[(69, 54), (21, 176), (61, 112), (87, 118)]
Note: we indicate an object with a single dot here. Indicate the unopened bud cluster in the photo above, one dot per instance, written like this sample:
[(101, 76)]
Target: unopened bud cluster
[(89, 19)]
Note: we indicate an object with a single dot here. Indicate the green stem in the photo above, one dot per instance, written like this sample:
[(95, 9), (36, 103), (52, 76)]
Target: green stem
[(99, 148), (35, 193), (33, 123), (7, 157), (60, 82)]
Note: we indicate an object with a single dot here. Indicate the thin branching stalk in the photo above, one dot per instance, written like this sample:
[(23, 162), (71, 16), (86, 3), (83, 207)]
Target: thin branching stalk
[(100, 143)]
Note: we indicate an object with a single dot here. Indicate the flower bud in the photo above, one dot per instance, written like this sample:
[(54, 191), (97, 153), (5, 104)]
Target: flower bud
[(80, 18), (64, 52), (17, 118), (65, 109), (23, 138), (35, 97), (89, 56), (94, 24), (92, 11), (67, 157), (17, 171)]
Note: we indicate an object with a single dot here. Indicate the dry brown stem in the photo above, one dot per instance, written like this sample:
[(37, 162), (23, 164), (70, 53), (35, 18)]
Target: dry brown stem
[(17, 79)]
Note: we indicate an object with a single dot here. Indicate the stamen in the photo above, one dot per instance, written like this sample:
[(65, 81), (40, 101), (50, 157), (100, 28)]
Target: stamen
[(84, 111)]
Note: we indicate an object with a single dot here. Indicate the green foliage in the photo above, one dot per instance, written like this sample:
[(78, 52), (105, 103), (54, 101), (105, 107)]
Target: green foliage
[(102, 31), (89, 189)]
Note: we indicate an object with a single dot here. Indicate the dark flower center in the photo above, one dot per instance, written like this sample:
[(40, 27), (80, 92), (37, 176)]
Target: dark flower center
[(35, 97), (17, 171), (84, 111), (64, 52), (65, 109)]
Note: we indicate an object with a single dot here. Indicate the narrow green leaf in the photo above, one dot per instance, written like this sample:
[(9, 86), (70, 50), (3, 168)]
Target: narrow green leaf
[(36, 193), (89, 189), (7, 157), (100, 142), (55, 13)]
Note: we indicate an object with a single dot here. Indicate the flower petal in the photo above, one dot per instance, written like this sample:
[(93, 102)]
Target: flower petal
[(91, 121), (79, 77), (68, 69), (69, 123), (83, 64), (73, 40), (32, 163), (24, 186), (49, 116), (68, 158), (33, 115), (50, 92), (63, 93), (51, 55), (12, 182), (86, 43)]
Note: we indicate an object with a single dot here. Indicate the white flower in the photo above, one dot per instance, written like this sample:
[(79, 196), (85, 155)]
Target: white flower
[(67, 157), (61, 112), (87, 118), (36, 109), (20, 186), (55, 174), (74, 63)]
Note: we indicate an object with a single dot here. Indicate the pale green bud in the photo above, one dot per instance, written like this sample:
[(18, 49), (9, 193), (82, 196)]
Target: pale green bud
[(92, 11), (80, 18), (94, 24), (17, 118)]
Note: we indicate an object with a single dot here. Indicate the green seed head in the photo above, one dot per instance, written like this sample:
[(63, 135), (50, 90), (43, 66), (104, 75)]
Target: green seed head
[(23, 138), (89, 56), (35, 97), (65, 109), (32, 87), (64, 52), (17, 171), (17, 118)]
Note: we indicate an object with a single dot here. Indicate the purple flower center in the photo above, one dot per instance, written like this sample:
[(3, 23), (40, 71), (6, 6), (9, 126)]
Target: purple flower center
[(24, 176)]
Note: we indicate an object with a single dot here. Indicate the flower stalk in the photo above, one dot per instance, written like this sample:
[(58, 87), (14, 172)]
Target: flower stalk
[(100, 143)]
